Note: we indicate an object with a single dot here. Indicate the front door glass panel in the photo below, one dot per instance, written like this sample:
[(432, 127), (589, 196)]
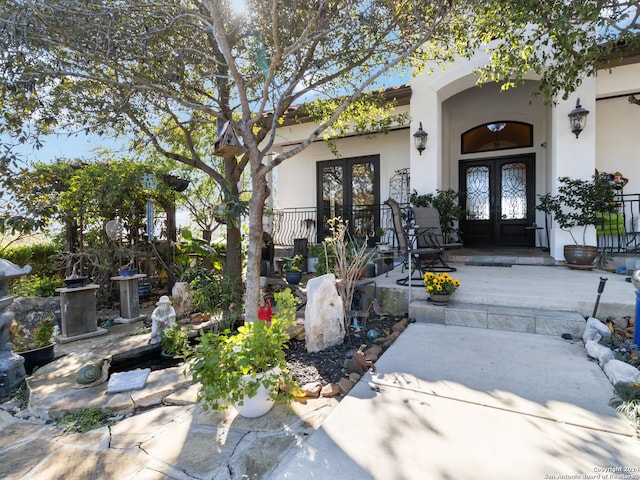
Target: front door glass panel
[(478, 193)]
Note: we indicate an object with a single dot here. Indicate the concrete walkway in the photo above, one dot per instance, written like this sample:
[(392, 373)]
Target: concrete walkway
[(446, 402), (450, 402)]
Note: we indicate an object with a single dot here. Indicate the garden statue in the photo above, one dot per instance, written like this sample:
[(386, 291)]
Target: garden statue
[(6, 321), (163, 316), (12, 370)]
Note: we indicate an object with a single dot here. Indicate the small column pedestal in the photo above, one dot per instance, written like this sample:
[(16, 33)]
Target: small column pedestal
[(129, 301), (78, 313)]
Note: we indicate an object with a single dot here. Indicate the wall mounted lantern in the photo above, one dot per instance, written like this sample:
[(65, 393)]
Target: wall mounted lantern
[(578, 118), (420, 139)]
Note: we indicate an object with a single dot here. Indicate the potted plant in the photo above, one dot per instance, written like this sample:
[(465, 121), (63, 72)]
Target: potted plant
[(447, 202), (316, 251), (174, 341), (440, 287), (246, 369), (293, 269), (579, 204), (36, 347)]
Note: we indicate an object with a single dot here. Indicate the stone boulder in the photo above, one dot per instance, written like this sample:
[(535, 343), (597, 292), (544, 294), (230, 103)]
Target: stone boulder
[(182, 299), (324, 314), (596, 330), (30, 311), (618, 371), (599, 352)]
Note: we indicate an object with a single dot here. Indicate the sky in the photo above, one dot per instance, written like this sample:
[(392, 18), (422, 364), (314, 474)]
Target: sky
[(71, 147)]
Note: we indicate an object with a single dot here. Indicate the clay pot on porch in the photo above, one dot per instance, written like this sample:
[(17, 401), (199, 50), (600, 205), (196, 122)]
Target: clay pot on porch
[(580, 255), (440, 299)]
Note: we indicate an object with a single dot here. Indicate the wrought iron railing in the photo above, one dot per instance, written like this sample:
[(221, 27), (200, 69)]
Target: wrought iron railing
[(372, 222), (619, 231)]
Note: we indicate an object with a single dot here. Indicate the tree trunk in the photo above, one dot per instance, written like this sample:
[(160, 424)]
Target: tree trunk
[(254, 255), (233, 258), (170, 209)]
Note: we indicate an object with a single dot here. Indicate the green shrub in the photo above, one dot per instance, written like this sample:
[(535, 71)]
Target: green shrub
[(221, 361), (36, 286), (175, 340), (213, 291), (39, 256), (41, 336)]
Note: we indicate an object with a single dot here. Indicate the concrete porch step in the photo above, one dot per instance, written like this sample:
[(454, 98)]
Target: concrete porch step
[(505, 257), (518, 319)]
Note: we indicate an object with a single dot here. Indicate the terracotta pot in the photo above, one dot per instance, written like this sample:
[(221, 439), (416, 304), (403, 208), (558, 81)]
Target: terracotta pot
[(580, 254)]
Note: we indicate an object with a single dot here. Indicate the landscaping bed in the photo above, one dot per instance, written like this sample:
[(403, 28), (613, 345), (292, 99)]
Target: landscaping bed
[(328, 365)]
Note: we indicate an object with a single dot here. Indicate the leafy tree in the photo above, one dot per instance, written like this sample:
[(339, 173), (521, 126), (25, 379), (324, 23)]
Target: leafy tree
[(146, 68)]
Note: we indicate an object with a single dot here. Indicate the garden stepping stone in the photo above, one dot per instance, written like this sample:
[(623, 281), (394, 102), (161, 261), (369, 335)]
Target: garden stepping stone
[(131, 380)]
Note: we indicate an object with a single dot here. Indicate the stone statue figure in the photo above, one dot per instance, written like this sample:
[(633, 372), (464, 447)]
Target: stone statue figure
[(6, 319), (163, 316)]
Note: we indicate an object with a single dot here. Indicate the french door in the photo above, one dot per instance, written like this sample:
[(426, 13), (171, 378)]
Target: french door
[(349, 188), (499, 200)]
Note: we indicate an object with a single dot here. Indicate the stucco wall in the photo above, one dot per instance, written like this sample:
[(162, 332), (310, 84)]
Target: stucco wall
[(294, 181), (619, 124)]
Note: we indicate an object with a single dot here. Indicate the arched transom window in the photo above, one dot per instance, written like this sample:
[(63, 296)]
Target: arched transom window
[(498, 135)]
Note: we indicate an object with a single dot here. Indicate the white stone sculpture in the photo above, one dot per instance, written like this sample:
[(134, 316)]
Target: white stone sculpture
[(181, 293), (324, 314), (163, 316)]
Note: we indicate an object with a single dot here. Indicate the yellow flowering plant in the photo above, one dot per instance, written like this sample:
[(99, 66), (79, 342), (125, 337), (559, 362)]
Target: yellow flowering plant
[(442, 283)]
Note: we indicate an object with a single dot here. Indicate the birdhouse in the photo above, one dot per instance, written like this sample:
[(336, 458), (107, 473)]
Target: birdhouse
[(227, 143)]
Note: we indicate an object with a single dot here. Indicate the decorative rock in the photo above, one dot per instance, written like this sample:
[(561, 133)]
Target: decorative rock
[(599, 352), (354, 377), (30, 311), (401, 325), (359, 363), (374, 351), (620, 322), (618, 371), (182, 299), (324, 314), (296, 331), (595, 328), (92, 373), (345, 385), (312, 390), (330, 390), (130, 380), (372, 334)]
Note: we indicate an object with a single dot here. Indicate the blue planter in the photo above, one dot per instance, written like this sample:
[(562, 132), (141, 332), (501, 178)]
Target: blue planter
[(293, 278)]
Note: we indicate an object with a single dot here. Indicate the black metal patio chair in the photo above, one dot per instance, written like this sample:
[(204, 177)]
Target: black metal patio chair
[(430, 235), (419, 258)]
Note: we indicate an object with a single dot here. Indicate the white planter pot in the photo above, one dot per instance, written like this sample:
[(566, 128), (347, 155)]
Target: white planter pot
[(384, 247), (311, 264), (258, 405)]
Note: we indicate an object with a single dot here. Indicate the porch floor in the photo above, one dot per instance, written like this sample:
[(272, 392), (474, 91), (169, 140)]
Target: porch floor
[(525, 290)]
